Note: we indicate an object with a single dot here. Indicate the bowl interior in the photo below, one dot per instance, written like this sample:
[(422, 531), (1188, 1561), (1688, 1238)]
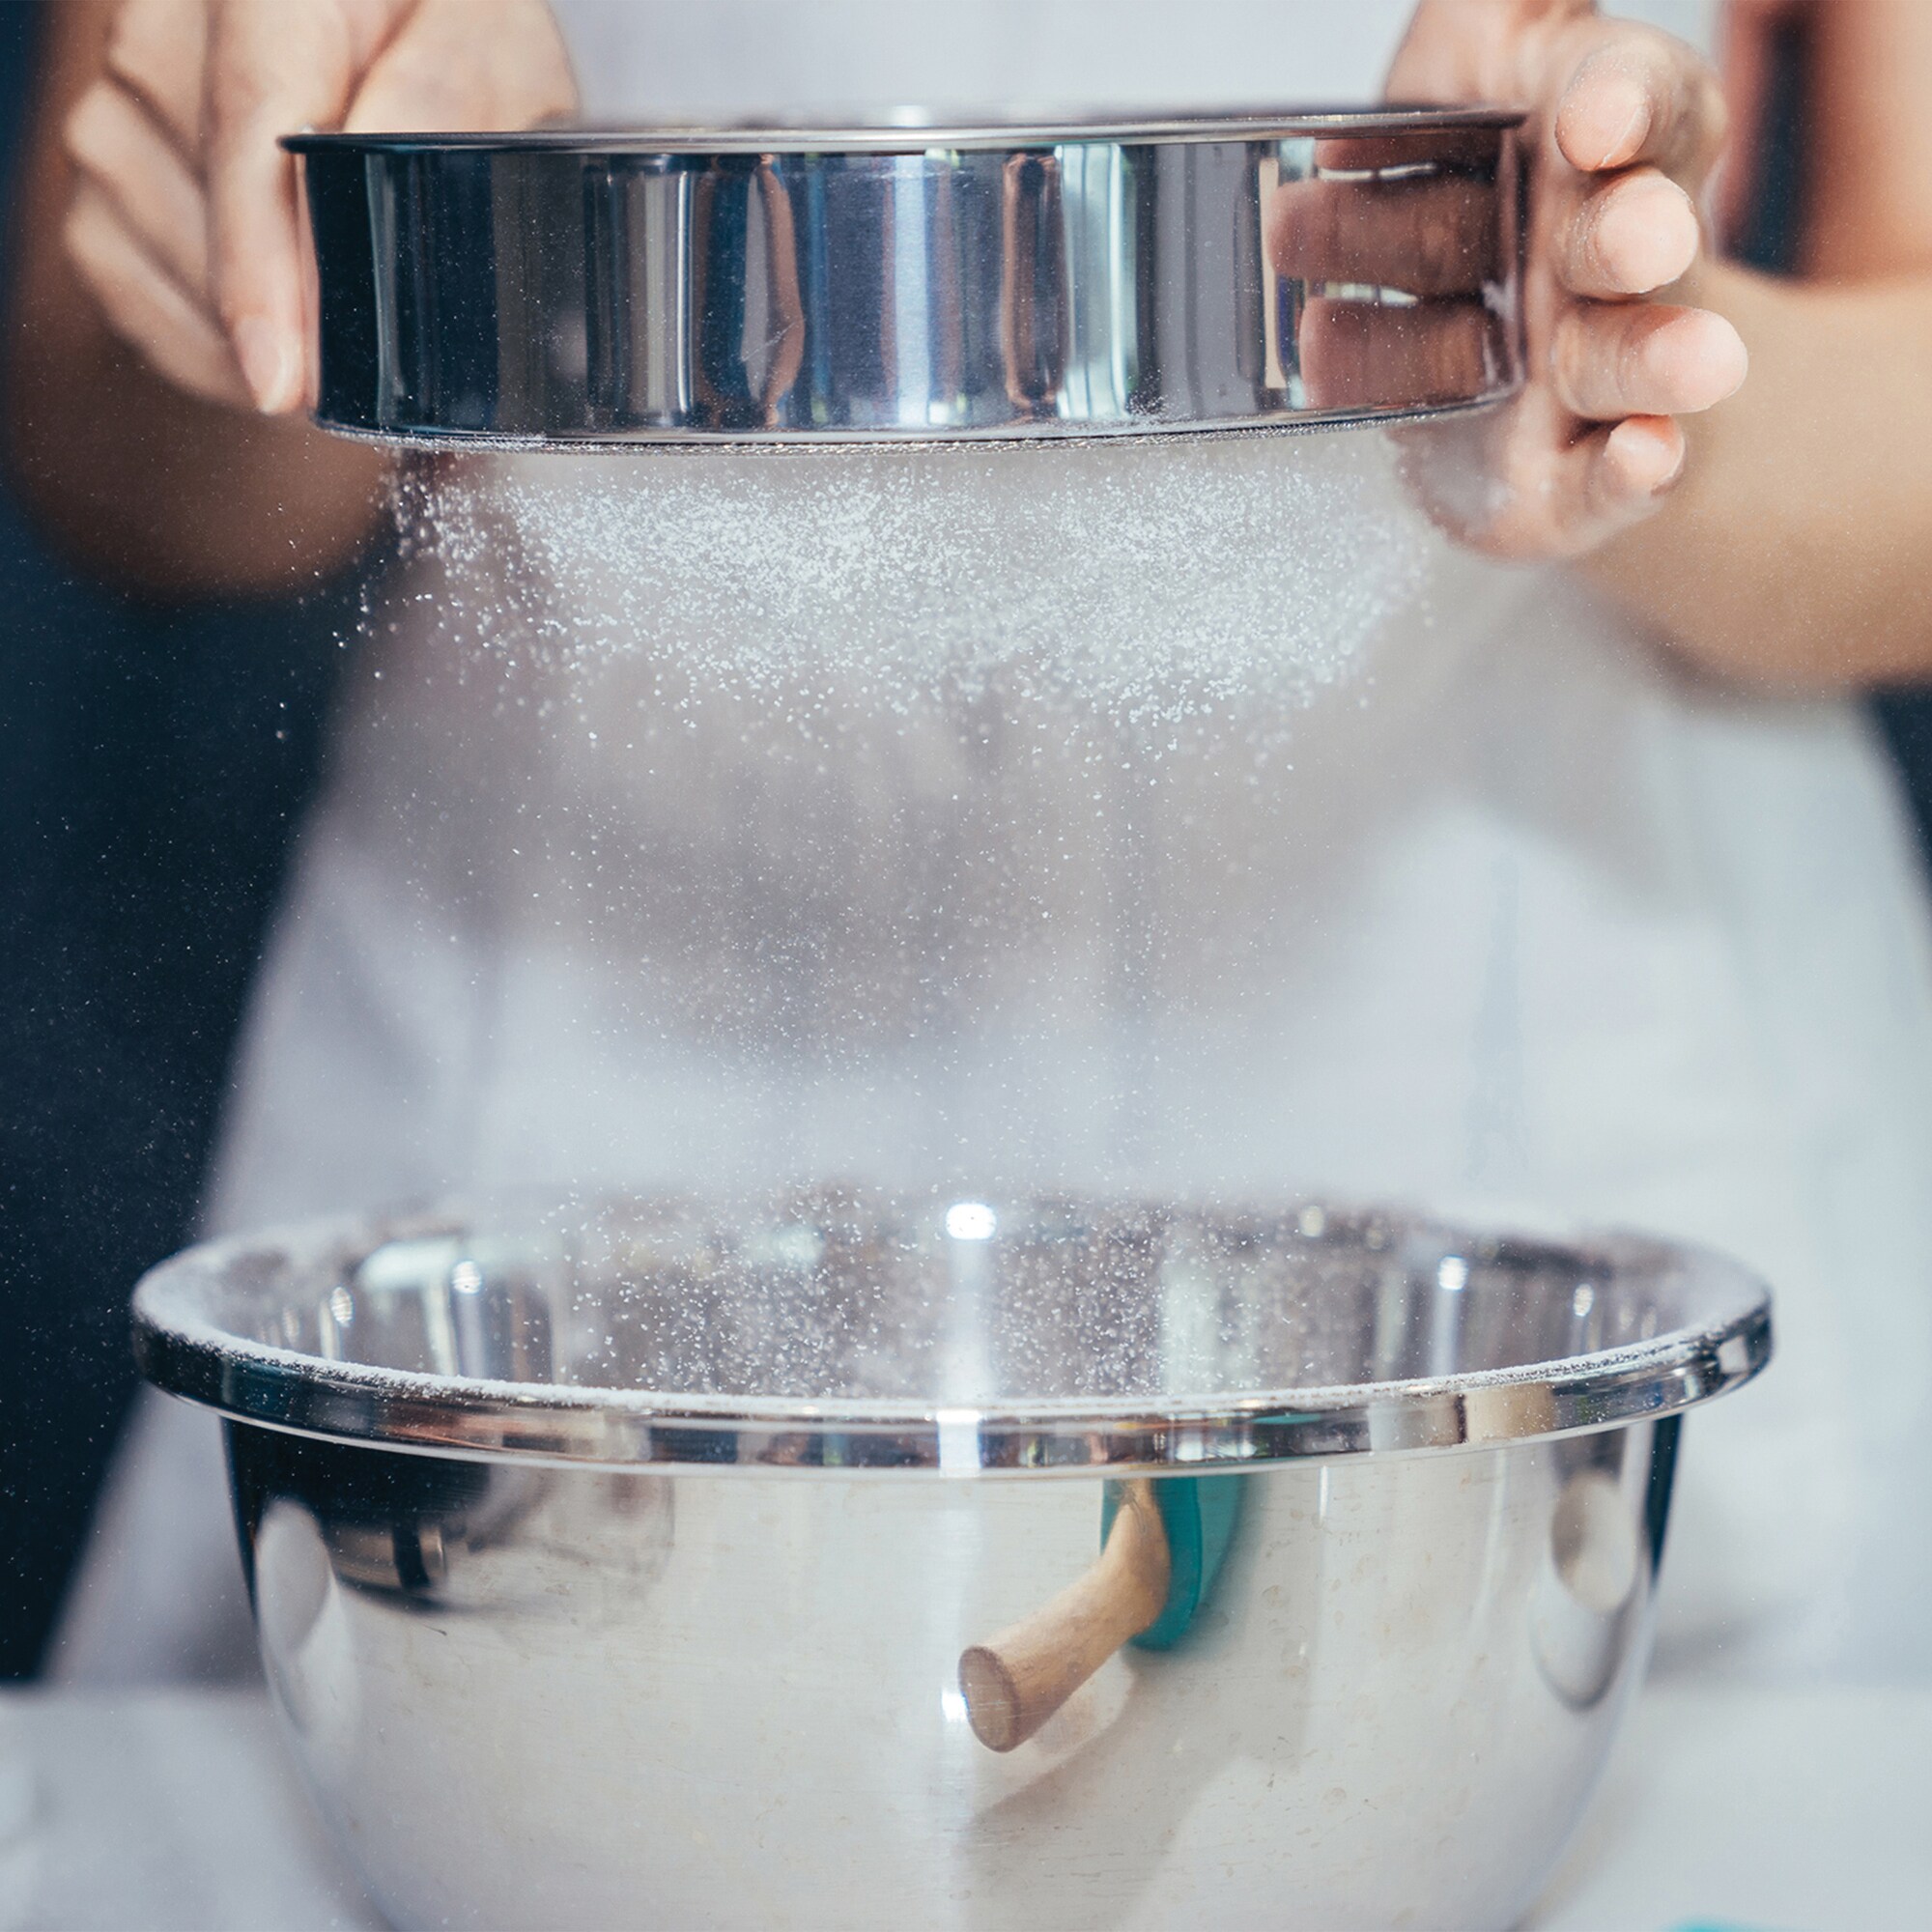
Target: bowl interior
[(843, 1298)]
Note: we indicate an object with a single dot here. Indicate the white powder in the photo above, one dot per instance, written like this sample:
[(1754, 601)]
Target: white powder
[(1143, 579), (971, 815)]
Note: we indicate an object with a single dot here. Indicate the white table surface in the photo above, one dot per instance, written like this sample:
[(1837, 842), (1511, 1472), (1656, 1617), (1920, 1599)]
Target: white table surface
[(1749, 1810)]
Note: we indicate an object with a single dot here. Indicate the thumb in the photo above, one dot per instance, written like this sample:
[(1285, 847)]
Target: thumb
[(1461, 50), (477, 64), (275, 68)]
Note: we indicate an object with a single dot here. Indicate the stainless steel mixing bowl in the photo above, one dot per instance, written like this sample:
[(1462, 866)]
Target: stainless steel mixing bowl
[(926, 283), (840, 1562)]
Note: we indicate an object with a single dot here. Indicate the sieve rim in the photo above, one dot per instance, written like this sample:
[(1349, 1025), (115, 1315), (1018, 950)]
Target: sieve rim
[(924, 138)]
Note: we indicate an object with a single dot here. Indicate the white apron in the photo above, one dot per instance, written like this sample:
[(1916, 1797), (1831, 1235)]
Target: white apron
[(1540, 929)]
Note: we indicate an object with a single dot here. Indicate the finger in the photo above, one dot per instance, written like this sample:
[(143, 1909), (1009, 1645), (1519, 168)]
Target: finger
[(1615, 361), (1426, 236), (1369, 355), (1630, 236), (1514, 487), (1637, 97), (273, 68), (117, 144), (159, 51), (146, 307), (471, 64), (1585, 493), (1638, 461)]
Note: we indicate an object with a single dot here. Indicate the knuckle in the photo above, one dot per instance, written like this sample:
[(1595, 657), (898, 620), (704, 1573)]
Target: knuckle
[(1567, 357), (1634, 356), (1589, 258), (148, 37), (127, 42), (1653, 350)]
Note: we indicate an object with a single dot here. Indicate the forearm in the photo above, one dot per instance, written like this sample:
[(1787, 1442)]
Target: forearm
[(1796, 552), (158, 492)]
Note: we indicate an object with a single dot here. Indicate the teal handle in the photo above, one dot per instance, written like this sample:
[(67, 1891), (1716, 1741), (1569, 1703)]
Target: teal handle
[(1200, 1514)]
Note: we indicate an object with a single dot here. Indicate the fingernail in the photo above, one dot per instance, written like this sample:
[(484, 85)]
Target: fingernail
[(1619, 103), (1706, 357), (1739, 357), (269, 366), (1634, 445), (1636, 123)]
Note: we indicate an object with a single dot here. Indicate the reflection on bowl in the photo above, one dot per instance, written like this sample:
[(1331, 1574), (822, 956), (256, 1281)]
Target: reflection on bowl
[(842, 1561)]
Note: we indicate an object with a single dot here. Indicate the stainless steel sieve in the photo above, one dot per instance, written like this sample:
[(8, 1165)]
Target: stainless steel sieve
[(933, 283)]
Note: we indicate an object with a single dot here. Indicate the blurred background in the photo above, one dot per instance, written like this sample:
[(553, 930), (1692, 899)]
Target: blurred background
[(154, 764), (153, 767)]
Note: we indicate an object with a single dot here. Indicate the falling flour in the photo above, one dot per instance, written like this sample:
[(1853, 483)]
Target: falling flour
[(1142, 579), (893, 813)]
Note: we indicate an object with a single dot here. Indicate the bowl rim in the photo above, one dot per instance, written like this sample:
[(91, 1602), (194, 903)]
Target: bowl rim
[(190, 1355)]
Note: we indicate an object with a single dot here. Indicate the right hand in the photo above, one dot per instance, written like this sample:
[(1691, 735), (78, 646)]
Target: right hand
[(186, 223), (1625, 126)]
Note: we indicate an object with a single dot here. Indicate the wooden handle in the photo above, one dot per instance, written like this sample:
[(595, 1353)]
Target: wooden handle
[(1013, 1684)]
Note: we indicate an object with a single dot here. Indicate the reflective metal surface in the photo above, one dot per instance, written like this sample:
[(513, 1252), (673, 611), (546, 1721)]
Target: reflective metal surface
[(864, 283), (536, 1696), (845, 1330), (800, 1679)]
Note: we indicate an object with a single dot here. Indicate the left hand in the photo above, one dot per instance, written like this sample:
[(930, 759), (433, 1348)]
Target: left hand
[(1625, 126), (186, 223)]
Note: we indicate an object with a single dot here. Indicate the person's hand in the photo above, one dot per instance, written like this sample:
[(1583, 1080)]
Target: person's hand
[(186, 223), (1625, 124)]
